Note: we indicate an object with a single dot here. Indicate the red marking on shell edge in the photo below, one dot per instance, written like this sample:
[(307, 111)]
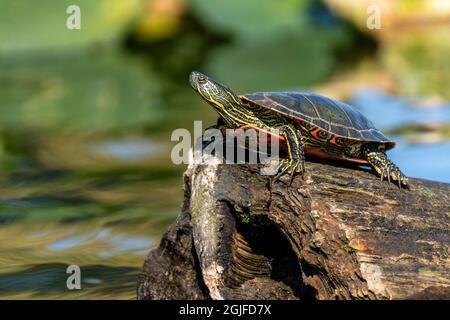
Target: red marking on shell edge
[(333, 140), (315, 132), (321, 154), (310, 150)]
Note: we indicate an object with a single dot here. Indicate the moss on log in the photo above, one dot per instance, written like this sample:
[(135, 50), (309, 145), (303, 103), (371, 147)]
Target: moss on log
[(336, 233)]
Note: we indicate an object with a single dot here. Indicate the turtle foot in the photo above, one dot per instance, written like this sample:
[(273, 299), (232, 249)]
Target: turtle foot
[(387, 169), (290, 167)]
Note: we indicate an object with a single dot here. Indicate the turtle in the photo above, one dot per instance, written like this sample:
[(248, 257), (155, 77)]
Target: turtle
[(308, 123)]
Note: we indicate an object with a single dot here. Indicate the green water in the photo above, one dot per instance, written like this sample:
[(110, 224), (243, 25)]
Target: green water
[(85, 170)]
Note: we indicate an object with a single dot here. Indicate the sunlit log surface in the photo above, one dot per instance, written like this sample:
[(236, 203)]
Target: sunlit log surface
[(336, 233)]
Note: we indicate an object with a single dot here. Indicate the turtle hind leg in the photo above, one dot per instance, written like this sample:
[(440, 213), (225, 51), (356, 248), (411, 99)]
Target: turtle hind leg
[(384, 166)]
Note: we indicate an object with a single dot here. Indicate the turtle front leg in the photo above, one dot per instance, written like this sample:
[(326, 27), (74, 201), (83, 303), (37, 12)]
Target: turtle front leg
[(295, 161), (377, 157)]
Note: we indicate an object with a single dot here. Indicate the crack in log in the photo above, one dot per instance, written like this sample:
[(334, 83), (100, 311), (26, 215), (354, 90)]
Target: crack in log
[(260, 250)]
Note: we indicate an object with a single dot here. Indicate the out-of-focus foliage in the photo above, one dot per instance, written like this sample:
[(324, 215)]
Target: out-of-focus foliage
[(162, 19), (415, 40), (41, 24), (419, 61), (394, 13), (289, 61), (95, 92), (273, 45), (252, 18)]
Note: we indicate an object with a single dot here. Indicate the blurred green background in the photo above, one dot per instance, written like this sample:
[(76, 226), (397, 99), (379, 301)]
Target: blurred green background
[(86, 115)]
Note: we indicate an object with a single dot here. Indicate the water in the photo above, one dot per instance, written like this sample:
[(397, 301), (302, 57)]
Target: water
[(102, 205), (423, 158)]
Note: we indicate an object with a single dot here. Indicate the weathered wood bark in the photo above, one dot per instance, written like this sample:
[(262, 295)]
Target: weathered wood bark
[(337, 233)]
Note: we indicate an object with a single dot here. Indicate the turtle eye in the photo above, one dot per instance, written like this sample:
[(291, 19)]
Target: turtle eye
[(201, 78)]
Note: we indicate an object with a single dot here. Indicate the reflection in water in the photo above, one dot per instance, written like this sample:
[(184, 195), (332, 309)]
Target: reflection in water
[(424, 160), (116, 242), (49, 279), (129, 149), (389, 112)]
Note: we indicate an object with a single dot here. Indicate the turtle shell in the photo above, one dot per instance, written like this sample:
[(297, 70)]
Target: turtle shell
[(330, 115)]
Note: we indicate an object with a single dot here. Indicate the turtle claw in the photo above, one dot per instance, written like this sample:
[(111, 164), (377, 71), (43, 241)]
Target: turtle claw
[(401, 179), (388, 174), (397, 175), (291, 177), (290, 167), (386, 168), (393, 173), (302, 167), (284, 166)]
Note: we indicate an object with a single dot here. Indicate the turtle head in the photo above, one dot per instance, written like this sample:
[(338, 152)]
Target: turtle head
[(213, 92)]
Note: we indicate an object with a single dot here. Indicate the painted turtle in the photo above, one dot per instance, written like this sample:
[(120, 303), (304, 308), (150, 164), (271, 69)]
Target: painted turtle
[(307, 122)]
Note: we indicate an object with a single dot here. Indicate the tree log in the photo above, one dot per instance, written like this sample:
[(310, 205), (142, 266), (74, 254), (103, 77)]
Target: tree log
[(335, 233)]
